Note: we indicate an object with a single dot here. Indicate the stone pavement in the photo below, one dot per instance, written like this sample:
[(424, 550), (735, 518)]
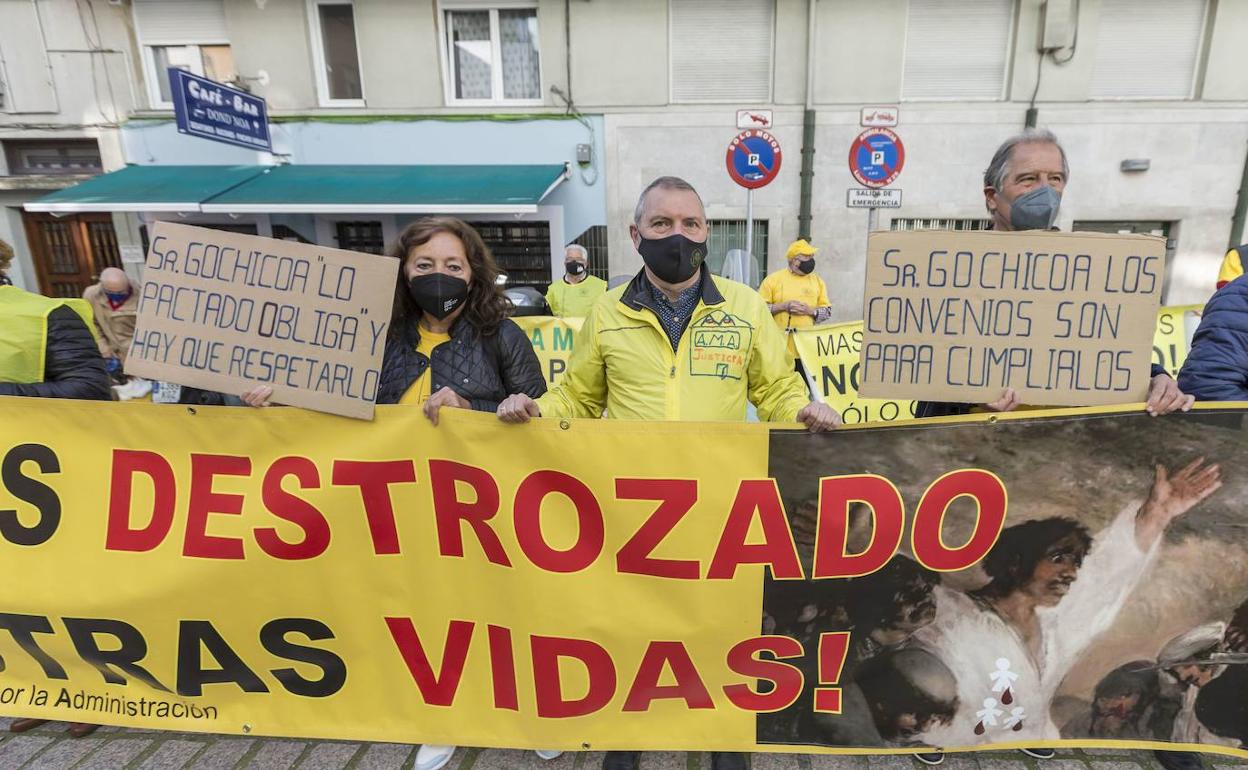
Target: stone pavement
[(112, 748)]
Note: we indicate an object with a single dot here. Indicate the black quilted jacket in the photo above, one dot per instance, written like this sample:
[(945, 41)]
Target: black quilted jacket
[(72, 367), (482, 371)]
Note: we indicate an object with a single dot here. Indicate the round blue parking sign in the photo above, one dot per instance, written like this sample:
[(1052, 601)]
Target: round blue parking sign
[(876, 157), (753, 158)]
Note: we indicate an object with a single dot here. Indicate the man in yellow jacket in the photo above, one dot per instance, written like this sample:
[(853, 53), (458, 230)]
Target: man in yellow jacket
[(573, 295), (676, 343), (796, 295)]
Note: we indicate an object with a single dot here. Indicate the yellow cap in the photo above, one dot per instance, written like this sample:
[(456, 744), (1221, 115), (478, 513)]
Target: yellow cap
[(800, 248)]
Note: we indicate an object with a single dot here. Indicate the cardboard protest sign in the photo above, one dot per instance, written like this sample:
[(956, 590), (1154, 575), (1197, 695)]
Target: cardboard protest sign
[(1063, 318), (228, 312)]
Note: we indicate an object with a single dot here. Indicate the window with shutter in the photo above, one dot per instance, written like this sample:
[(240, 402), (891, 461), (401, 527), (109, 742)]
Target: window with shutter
[(187, 34), (180, 21), (1148, 49), (721, 50), (957, 50), (27, 81)]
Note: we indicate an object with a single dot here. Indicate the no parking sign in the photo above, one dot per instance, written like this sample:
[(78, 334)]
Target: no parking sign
[(876, 157), (753, 158)]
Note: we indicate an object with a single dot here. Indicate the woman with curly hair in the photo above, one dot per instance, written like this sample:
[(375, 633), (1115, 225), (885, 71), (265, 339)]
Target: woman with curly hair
[(450, 343)]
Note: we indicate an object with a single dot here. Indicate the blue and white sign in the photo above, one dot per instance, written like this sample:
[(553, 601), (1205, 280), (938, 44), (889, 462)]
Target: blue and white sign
[(753, 159), (876, 157), (212, 110)]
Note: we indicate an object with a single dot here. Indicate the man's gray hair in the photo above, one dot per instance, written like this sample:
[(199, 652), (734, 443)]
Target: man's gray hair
[(999, 168), (577, 247), (666, 183)]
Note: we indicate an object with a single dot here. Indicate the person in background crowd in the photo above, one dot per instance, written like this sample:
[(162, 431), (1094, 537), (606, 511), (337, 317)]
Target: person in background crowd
[(796, 295), (47, 351), (115, 306), (637, 356), (1023, 191), (450, 345), (1232, 265), (6, 259), (573, 296), (1216, 368)]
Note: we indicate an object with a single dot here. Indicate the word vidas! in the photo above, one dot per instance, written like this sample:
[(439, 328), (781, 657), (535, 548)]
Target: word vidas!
[(1000, 367)]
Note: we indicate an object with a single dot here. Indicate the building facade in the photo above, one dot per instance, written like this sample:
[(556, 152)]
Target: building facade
[(1150, 98)]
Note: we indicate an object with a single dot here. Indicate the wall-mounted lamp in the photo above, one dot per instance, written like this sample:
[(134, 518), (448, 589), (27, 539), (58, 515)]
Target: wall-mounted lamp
[(1135, 164)]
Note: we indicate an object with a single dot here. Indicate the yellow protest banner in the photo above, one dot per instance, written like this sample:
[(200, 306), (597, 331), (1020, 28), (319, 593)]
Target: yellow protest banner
[(553, 340), (598, 584), (1170, 339), (830, 356)]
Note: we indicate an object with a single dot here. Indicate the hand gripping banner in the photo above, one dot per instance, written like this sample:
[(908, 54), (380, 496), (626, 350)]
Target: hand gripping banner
[(1076, 578)]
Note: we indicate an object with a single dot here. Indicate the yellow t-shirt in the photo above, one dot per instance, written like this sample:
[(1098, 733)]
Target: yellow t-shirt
[(786, 286), (1232, 268), (570, 300), (419, 391)]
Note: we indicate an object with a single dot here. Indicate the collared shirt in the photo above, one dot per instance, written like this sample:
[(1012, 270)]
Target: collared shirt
[(674, 316)]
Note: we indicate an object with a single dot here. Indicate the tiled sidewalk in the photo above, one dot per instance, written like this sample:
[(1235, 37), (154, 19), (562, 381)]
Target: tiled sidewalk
[(111, 748)]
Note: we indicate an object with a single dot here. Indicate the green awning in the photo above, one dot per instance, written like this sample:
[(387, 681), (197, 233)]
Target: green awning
[(146, 188), (311, 189)]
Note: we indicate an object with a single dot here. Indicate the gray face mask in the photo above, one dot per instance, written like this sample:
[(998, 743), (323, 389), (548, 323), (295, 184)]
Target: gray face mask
[(1035, 210)]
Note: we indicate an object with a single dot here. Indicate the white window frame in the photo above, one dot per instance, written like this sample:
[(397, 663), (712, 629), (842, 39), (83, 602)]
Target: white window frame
[(1006, 75), (496, 53), (148, 55), (318, 55), (1197, 70), (771, 58)]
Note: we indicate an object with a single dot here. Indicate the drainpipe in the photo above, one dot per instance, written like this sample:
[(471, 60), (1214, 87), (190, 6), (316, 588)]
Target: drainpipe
[(808, 127), (1241, 211)]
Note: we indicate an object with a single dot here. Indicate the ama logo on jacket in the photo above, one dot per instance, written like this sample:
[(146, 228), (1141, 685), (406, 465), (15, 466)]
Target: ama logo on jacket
[(720, 346)]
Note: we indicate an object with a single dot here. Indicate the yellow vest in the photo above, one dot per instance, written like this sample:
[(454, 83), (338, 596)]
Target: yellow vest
[(574, 300), (24, 332)]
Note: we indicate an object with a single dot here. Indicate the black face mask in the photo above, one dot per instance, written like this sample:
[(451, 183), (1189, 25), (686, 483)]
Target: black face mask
[(673, 259), (806, 266), (573, 267), (438, 294)]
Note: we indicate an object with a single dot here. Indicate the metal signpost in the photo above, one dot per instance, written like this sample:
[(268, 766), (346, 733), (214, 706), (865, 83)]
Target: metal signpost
[(212, 110), (875, 159), (753, 161)]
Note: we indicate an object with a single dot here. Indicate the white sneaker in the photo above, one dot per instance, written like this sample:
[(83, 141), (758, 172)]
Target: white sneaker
[(432, 757), (547, 754), (134, 388)]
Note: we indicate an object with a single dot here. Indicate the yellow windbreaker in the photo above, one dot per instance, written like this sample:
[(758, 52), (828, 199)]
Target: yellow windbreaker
[(731, 351)]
